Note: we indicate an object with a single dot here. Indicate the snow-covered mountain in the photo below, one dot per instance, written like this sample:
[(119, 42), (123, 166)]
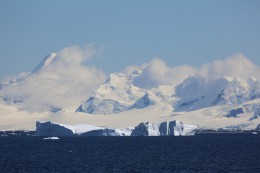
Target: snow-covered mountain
[(22, 78), (53, 85), (117, 94), (45, 62), (196, 92), (123, 100), (11, 81), (251, 109), (211, 98)]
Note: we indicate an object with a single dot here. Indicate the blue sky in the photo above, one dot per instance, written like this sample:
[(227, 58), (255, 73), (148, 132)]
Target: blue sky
[(128, 32)]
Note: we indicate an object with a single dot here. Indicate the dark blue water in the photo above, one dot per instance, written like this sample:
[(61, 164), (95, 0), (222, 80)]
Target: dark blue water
[(207, 153)]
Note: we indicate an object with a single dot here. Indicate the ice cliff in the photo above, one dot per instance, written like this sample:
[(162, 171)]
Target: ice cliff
[(172, 128)]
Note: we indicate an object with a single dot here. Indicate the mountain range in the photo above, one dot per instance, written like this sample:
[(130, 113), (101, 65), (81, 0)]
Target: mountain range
[(124, 99)]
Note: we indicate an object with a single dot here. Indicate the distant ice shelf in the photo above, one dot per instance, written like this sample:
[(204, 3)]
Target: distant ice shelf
[(172, 128)]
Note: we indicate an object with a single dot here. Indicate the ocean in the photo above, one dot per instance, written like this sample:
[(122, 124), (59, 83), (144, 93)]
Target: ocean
[(199, 153)]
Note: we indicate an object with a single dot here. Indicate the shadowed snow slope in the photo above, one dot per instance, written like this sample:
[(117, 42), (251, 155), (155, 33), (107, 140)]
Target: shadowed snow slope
[(45, 62)]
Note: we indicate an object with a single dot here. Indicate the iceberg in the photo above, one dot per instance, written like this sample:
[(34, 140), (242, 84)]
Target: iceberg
[(102, 132), (53, 129), (146, 129), (258, 128), (172, 128), (51, 138)]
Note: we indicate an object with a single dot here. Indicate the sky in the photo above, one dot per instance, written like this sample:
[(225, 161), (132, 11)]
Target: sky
[(128, 32)]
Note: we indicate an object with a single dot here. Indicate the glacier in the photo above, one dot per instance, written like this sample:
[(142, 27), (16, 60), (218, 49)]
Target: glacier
[(172, 128)]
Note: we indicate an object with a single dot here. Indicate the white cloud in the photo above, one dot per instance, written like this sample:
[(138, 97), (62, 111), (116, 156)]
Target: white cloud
[(129, 70), (65, 82), (156, 72), (231, 67), (76, 55)]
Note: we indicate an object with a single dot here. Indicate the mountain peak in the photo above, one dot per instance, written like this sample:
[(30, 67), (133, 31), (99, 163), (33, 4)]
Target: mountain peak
[(45, 62), (116, 76)]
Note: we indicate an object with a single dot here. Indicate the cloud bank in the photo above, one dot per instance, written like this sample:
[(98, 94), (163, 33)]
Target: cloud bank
[(156, 72), (62, 80), (236, 66)]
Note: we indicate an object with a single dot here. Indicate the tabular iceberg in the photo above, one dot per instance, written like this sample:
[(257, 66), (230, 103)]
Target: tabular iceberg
[(107, 132), (51, 129), (172, 128)]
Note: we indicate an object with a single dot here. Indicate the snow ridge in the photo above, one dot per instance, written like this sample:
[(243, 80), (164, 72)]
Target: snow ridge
[(45, 62)]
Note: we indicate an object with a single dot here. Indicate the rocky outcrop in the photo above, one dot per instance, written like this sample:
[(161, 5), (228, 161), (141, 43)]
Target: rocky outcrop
[(143, 102), (235, 112)]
